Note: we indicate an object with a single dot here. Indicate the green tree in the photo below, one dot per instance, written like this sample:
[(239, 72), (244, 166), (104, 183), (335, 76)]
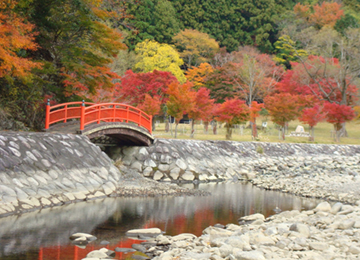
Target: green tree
[(152, 55), (232, 23), (152, 20)]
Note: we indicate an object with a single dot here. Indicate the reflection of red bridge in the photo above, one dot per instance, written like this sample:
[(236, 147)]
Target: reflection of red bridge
[(71, 252), (123, 123)]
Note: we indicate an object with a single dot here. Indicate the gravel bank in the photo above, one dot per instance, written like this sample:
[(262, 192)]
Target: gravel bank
[(327, 232)]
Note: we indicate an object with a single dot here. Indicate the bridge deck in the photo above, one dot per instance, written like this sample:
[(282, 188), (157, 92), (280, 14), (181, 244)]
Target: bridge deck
[(107, 133)]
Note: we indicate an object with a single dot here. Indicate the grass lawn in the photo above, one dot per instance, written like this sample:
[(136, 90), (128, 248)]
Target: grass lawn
[(323, 133)]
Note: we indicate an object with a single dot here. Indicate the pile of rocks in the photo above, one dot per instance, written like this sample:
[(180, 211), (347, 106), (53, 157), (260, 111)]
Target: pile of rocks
[(329, 177), (323, 233)]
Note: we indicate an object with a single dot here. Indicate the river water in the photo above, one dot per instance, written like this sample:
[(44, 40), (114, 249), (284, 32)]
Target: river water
[(44, 235)]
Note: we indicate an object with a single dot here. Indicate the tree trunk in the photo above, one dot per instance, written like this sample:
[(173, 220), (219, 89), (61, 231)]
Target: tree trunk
[(215, 128), (282, 133), (254, 129), (312, 135), (192, 128), (171, 130), (167, 124), (343, 132), (206, 127), (228, 131), (176, 127), (337, 135)]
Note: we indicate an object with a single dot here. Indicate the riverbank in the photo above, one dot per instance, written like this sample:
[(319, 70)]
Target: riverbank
[(42, 170), (325, 233)]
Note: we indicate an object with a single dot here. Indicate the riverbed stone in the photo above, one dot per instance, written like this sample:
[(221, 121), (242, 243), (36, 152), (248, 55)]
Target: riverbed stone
[(187, 176)]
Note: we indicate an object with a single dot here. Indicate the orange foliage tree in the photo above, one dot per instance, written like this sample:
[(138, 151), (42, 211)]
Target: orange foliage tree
[(15, 35), (181, 101), (282, 108), (198, 75), (325, 14), (232, 111), (202, 108)]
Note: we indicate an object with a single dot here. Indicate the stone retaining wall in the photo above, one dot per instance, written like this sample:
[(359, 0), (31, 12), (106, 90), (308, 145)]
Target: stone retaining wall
[(193, 161), (40, 170)]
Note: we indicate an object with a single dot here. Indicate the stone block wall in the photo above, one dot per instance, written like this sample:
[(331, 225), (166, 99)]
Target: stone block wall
[(201, 161), (40, 170)]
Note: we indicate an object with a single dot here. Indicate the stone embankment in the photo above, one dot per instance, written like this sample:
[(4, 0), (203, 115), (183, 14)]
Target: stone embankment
[(316, 170), (325, 233), (40, 170)]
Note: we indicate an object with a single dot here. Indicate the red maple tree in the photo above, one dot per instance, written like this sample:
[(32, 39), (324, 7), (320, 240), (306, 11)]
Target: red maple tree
[(232, 111), (312, 116), (134, 86), (337, 115)]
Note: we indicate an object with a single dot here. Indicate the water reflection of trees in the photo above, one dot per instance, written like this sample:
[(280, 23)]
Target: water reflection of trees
[(109, 219)]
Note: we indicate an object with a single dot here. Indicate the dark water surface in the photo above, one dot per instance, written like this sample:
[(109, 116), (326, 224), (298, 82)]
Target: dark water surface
[(44, 235)]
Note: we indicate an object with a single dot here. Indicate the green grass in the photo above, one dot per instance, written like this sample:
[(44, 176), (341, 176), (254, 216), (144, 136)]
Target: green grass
[(271, 134)]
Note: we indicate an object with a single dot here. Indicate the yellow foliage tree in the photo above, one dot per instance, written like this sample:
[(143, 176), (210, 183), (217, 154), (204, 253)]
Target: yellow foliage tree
[(151, 55), (195, 47)]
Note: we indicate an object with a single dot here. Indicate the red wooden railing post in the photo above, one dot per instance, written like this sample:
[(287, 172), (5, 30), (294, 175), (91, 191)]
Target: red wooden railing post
[(41, 253), (151, 118), (127, 114), (47, 115), (99, 109), (82, 116), (65, 112), (139, 124)]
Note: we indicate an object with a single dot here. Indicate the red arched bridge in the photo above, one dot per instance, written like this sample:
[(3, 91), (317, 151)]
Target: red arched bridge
[(104, 123)]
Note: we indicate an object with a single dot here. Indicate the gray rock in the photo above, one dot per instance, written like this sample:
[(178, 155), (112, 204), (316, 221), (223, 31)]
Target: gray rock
[(301, 228), (323, 206), (252, 255)]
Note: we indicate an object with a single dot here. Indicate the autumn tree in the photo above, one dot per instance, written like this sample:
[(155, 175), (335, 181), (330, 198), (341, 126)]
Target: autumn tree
[(199, 75), (76, 45), (202, 108), (337, 115), (312, 116), (17, 38), (232, 111), (151, 106), (255, 109), (254, 74), (20, 96), (325, 14), (195, 47), (134, 86), (181, 101), (221, 85), (282, 108), (152, 55)]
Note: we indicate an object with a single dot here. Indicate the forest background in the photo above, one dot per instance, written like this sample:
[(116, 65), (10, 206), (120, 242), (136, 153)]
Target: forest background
[(228, 60)]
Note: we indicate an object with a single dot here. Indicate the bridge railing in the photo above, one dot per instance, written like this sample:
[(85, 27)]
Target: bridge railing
[(88, 113)]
